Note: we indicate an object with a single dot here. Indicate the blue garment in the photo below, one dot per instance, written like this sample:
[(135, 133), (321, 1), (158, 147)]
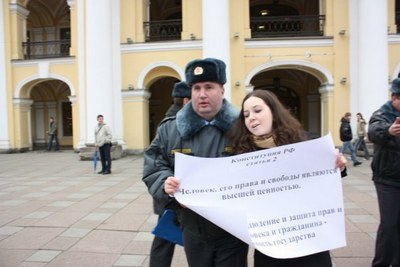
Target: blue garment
[(349, 145), (361, 143)]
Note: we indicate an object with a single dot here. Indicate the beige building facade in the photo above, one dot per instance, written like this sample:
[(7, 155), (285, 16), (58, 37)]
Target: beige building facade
[(75, 59)]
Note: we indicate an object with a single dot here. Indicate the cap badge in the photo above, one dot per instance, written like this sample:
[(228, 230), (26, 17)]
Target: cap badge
[(198, 71)]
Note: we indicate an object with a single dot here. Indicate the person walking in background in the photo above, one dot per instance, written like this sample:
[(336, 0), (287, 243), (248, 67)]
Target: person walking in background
[(346, 136), (265, 123), (103, 141), (200, 129), (162, 250), (53, 135), (361, 135), (384, 133)]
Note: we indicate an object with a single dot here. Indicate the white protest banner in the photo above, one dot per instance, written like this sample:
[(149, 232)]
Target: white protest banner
[(286, 201)]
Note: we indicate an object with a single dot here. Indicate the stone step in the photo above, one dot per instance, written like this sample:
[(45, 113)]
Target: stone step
[(87, 152)]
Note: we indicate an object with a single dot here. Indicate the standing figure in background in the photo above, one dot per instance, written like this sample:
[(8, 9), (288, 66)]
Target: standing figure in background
[(103, 141), (181, 94), (346, 136), (53, 135), (361, 123), (384, 132), (162, 250)]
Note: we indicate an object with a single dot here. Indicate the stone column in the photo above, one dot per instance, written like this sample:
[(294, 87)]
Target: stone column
[(75, 119), (137, 102), (102, 79), (369, 56), (40, 124), (73, 27), (327, 109), (18, 16), (22, 122), (216, 35), (4, 109)]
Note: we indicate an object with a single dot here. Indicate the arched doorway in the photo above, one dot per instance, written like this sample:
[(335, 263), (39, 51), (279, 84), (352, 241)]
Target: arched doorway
[(298, 91), (160, 101), (50, 99)]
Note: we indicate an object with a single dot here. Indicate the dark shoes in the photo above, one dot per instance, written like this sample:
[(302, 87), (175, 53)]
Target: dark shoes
[(106, 172), (357, 163), (100, 172)]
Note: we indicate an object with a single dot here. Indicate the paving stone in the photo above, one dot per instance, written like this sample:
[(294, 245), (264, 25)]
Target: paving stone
[(99, 220), (38, 215), (9, 230), (75, 232), (97, 216), (61, 203), (113, 205), (130, 260), (44, 255)]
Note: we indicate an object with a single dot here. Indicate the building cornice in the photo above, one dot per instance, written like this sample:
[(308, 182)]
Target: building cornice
[(394, 38), (19, 9), (34, 62), (294, 42), (161, 46)]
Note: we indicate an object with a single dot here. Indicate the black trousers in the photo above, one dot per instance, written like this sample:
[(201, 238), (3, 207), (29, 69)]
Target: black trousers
[(322, 259), (224, 252), (105, 156), (53, 137), (387, 246), (161, 252)]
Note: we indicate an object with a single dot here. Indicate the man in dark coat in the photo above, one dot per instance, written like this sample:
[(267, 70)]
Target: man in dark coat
[(200, 128), (181, 94), (162, 250), (384, 132), (53, 135)]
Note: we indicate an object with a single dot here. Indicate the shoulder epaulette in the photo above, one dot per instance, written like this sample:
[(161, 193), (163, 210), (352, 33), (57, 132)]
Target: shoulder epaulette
[(167, 119)]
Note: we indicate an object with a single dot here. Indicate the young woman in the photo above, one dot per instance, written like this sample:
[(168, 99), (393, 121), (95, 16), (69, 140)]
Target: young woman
[(265, 123)]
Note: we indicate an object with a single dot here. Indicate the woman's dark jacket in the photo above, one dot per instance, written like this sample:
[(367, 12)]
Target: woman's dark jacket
[(345, 130), (190, 134), (386, 161)]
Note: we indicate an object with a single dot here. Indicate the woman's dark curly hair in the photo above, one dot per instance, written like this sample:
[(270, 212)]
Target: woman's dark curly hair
[(286, 128)]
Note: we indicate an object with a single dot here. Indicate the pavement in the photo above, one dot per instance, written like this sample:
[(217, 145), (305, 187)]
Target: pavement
[(56, 211)]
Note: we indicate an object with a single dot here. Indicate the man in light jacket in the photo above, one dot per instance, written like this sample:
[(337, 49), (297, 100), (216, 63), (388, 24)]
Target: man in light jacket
[(103, 139)]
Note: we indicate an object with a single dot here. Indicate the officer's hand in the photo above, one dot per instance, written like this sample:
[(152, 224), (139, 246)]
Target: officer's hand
[(171, 185), (394, 129)]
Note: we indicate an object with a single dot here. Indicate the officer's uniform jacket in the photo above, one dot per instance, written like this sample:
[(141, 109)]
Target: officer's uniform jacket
[(386, 160), (187, 133)]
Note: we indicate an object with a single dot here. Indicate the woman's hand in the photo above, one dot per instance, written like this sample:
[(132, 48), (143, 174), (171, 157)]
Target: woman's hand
[(340, 161), (171, 185)]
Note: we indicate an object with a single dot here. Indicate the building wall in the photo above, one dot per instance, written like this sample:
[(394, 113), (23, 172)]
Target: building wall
[(140, 64)]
